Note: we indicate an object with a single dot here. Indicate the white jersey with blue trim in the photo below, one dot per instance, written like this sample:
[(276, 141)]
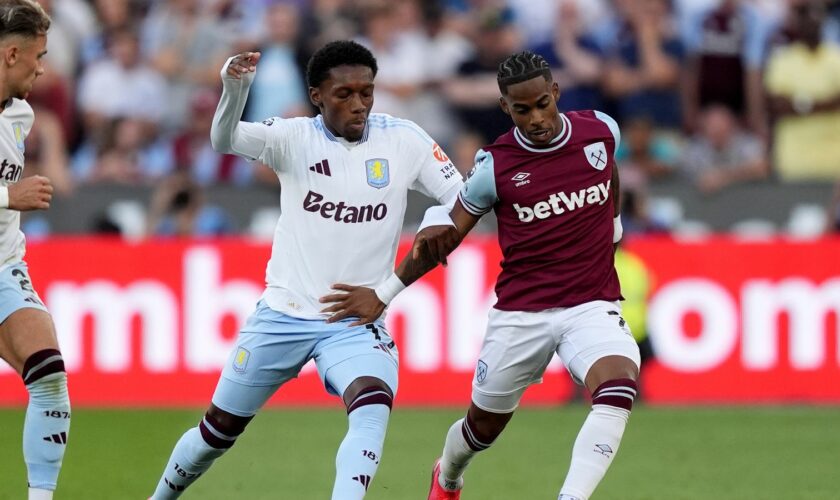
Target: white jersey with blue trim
[(342, 204), (15, 123)]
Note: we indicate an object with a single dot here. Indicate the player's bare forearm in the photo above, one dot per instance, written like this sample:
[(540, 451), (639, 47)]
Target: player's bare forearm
[(433, 244)]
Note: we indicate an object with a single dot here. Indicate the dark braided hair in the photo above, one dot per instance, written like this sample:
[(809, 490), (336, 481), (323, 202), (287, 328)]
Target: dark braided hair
[(338, 53), (521, 67)]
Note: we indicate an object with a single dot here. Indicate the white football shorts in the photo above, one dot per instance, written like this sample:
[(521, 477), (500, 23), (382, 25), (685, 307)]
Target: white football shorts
[(518, 346)]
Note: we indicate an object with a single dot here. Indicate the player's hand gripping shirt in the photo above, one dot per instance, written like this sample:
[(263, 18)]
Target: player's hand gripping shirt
[(555, 213), (15, 123), (342, 204)]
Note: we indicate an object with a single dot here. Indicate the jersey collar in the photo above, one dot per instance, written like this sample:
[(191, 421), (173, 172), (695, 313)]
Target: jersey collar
[(320, 125), (558, 142)]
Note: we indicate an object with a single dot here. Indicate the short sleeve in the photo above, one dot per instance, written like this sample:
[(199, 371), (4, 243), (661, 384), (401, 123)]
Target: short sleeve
[(266, 141), (479, 192), (613, 125), (437, 176)]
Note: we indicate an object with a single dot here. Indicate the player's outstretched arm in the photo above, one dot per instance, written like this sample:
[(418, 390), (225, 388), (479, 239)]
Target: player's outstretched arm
[(431, 246), (228, 134), (30, 193)]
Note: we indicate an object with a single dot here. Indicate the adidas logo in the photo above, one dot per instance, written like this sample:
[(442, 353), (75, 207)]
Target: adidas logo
[(173, 486), (364, 480), (57, 438), (322, 167)]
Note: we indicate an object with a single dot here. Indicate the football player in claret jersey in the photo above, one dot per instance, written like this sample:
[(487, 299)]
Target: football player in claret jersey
[(553, 184), (344, 174), (27, 335)]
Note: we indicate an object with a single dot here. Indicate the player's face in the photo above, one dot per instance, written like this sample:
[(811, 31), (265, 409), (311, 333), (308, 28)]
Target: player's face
[(532, 105), (23, 58), (345, 99)]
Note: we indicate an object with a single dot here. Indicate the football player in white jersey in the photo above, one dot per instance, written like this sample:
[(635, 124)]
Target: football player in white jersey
[(344, 176), (27, 334)]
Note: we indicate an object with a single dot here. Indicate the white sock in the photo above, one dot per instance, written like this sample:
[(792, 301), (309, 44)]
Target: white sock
[(594, 449), (39, 494), (457, 455), (360, 452)]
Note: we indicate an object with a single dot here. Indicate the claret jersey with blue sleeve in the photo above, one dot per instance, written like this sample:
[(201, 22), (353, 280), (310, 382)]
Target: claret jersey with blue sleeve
[(555, 213)]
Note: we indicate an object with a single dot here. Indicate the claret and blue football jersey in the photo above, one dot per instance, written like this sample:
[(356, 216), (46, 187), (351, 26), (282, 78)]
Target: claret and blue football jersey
[(555, 213)]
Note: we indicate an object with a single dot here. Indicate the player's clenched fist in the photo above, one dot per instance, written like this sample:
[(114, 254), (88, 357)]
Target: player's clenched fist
[(30, 193), (241, 64)]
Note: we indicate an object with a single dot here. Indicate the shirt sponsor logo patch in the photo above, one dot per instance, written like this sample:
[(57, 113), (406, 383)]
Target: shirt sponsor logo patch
[(439, 154)]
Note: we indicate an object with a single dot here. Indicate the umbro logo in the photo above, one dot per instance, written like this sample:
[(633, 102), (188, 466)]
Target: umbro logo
[(521, 178), (322, 167), (363, 479), (603, 449)]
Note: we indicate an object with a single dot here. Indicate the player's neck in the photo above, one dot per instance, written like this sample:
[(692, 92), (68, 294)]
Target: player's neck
[(5, 94)]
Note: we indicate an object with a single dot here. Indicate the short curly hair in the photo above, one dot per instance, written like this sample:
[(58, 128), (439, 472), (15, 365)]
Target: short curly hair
[(521, 67), (338, 53)]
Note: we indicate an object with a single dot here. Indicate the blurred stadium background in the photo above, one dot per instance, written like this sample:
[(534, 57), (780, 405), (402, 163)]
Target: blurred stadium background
[(154, 250)]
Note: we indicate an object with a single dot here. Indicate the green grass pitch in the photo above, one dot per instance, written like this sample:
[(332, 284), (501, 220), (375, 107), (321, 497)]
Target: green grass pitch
[(668, 453)]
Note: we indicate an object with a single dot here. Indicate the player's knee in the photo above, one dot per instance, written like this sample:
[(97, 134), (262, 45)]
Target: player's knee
[(617, 393), (45, 379), (220, 429), (375, 393), (611, 368)]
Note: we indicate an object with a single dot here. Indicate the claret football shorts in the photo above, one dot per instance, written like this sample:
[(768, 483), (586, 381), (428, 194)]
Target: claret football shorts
[(519, 345)]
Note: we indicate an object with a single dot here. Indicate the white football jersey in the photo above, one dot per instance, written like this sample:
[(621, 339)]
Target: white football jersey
[(15, 123), (343, 204)]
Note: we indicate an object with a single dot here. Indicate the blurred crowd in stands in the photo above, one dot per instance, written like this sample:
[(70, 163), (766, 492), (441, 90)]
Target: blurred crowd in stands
[(709, 92)]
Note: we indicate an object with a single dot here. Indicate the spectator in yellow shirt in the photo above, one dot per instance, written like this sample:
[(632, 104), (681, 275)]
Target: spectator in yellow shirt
[(803, 83)]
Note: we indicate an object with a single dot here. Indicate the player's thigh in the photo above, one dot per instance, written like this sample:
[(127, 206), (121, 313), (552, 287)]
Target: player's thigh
[(592, 332), (516, 350), (25, 325), (270, 350), (351, 353)]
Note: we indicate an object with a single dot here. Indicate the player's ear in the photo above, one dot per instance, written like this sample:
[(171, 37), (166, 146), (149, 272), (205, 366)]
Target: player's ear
[(315, 97), (10, 54), (555, 91), (504, 105)]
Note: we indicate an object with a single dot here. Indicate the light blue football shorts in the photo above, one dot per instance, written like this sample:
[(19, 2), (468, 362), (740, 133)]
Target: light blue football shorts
[(272, 348), (16, 291)]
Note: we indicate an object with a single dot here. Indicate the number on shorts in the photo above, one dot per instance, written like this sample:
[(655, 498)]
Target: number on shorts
[(26, 285), (375, 330)]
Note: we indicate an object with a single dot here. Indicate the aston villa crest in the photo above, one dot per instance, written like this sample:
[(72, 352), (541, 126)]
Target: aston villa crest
[(378, 175), (17, 127)]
